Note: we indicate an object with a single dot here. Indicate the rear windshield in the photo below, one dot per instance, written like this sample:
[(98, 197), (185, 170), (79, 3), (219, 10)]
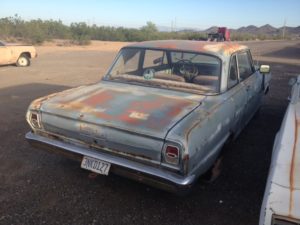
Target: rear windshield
[(174, 69)]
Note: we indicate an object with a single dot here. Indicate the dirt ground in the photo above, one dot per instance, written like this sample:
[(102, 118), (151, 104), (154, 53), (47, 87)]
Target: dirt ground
[(37, 187)]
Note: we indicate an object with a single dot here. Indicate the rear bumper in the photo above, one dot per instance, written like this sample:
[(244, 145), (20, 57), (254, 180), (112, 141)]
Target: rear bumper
[(134, 170)]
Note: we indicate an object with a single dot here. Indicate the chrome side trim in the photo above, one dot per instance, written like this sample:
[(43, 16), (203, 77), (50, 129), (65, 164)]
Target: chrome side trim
[(114, 160)]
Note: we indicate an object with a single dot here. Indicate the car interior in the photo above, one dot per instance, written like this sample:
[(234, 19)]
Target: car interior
[(177, 66)]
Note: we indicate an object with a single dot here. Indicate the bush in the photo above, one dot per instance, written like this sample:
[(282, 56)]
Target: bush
[(81, 40), (80, 33), (38, 31)]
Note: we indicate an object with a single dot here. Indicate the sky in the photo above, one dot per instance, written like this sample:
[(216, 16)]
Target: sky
[(197, 14)]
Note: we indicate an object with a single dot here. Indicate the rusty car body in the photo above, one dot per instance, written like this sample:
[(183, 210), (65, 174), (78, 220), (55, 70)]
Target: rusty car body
[(16, 54), (281, 204), (160, 115)]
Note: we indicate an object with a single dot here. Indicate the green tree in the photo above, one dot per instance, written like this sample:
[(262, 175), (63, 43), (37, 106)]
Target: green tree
[(149, 31), (80, 33)]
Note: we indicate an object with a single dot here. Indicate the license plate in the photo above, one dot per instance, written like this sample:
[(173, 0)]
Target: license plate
[(95, 165)]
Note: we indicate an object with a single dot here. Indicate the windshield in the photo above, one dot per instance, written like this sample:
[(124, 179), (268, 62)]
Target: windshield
[(171, 69)]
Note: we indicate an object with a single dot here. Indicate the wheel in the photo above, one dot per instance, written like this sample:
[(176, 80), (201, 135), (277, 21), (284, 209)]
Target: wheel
[(214, 172), (23, 60)]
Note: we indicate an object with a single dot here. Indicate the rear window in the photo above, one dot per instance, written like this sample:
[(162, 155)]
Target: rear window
[(199, 71)]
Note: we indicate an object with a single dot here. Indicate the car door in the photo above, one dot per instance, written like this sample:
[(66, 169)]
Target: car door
[(238, 96), (251, 80), (5, 54)]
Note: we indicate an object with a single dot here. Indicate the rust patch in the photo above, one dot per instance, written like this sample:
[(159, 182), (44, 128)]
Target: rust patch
[(292, 169), (51, 136), (166, 45), (100, 98), (186, 159), (130, 109), (176, 109), (213, 110), (125, 117), (36, 104), (224, 48), (146, 106), (189, 130), (119, 152)]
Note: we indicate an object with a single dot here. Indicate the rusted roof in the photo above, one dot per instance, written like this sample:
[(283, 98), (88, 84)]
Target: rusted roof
[(220, 48)]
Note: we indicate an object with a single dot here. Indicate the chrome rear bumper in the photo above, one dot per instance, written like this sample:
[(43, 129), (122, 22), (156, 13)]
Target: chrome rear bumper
[(134, 170)]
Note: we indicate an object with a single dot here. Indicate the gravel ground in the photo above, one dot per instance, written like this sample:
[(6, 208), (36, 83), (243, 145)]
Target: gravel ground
[(41, 188)]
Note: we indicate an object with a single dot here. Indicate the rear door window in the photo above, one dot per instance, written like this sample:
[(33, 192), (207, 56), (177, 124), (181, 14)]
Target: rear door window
[(154, 58), (233, 73), (244, 65)]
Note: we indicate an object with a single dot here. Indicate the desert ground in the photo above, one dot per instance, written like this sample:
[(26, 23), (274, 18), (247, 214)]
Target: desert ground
[(37, 187)]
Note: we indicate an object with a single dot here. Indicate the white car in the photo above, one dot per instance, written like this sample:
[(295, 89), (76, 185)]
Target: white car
[(281, 203), (17, 54)]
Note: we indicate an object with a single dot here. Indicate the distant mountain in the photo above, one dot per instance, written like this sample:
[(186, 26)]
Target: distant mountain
[(291, 30), (248, 29), (211, 29), (267, 30)]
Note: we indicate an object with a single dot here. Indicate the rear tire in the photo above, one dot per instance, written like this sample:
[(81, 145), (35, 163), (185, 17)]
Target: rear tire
[(23, 61), (214, 172)]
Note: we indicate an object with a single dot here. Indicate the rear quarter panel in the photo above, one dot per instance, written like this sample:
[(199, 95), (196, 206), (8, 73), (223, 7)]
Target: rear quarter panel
[(16, 51), (204, 132)]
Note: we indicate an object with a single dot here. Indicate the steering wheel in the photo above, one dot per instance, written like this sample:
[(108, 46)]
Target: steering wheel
[(149, 74), (187, 69)]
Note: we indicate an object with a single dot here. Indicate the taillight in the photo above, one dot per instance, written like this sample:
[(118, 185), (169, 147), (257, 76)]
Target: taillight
[(172, 154), (35, 120)]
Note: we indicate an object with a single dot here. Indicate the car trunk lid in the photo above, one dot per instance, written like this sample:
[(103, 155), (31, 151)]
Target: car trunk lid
[(126, 119)]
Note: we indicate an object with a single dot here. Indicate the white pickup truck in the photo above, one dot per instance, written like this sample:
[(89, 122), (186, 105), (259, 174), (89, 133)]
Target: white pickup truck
[(16, 54), (281, 204)]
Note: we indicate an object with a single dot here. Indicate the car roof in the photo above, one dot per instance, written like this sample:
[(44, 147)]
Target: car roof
[(217, 48)]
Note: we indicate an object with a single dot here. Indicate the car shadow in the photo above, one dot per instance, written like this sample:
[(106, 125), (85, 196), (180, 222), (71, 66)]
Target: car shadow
[(8, 65), (24, 94)]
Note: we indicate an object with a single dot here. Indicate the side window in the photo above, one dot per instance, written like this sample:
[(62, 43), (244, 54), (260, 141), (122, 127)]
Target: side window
[(154, 58), (251, 60), (127, 62), (131, 61), (244, 65), (233, 73)]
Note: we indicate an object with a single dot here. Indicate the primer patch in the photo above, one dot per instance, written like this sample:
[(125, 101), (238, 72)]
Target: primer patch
[(139, 115)]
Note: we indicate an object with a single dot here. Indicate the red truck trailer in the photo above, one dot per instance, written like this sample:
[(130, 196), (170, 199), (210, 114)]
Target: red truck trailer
[(223, 34)]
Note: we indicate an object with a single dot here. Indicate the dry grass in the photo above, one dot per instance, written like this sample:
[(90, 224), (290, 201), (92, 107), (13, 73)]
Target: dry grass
[(63, 45)]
